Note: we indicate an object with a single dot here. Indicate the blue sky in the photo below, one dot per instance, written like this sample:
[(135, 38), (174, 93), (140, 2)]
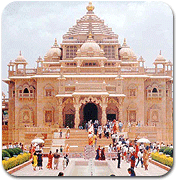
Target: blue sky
[(32, 26)]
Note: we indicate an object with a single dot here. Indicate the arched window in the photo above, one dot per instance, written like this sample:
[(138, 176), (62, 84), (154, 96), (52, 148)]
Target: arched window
[(49, 90), (154, 90), (26, 90)]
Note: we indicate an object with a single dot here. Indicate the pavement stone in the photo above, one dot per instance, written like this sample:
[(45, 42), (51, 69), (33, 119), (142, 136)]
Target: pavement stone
[(97, 170)]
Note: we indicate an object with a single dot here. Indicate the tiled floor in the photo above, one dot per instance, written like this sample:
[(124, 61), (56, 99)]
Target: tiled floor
[(96, 170)]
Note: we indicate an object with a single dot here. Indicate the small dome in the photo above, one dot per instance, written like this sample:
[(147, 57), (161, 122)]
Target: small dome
[(126, 51), (160, 57), (54, 53), (90, 48), (20, 59)]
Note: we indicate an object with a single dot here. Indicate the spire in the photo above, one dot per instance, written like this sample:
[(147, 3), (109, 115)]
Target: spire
[(160, 52), (20, 53), (55, 42), (124, 43), (90, 7)]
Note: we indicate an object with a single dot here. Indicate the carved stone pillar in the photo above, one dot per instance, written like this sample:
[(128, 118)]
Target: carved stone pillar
[(60, 120), (104, 106), (104, 117), (120, 109), (76, 106)]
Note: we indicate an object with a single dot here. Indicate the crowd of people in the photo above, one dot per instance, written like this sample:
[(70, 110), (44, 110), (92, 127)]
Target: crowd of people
[(125, 149), (37, 160), (14, 145)]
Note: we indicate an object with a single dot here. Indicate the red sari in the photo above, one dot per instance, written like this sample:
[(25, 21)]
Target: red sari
[(49, 165)]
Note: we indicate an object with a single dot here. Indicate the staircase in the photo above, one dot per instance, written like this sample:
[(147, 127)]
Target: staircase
[(77, 141)]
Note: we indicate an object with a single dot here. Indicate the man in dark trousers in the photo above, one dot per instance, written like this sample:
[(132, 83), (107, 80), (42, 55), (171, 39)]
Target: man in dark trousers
[(119, 158)]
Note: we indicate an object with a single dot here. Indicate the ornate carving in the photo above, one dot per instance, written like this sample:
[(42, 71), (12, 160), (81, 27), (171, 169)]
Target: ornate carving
[(91, 99), (132, 116), (26, 117)]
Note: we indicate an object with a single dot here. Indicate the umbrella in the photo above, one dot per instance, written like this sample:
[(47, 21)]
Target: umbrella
[(37, 140), (143, 140)]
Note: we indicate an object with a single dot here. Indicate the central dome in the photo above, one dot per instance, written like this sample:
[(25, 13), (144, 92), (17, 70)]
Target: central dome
[(90, 49)]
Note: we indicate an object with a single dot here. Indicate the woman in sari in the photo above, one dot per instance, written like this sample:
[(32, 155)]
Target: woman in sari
[(34, 161), (50, 157), (146, 157), (115, 127), (103, 154)]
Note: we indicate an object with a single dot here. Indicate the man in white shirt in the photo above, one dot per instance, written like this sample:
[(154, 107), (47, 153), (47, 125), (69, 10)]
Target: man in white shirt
[(140, 158)]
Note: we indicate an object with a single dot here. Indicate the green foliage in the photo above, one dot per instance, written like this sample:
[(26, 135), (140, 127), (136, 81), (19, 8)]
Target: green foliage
[(5, 154), (167, 151), (11, 152), (18, 150)]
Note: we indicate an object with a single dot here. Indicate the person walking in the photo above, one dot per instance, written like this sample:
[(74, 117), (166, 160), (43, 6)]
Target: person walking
[(103, 154), (34, 161), (119, 158), (98, 153), (120, 126), (95, 128), (67, 132), (146, 157), (99, 131), (67, 160), (56, 159), (39, 160), (64, 163), (50, 157), (86, 127), (133, 160), (94, 140), (131, 172), (60, 134), (140, 156)]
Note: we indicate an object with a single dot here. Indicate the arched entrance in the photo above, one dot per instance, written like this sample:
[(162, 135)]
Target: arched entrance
[(90, 112)]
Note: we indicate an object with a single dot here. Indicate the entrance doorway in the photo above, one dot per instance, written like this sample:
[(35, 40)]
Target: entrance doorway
[(111, 117), (69, 120), (90, 112)]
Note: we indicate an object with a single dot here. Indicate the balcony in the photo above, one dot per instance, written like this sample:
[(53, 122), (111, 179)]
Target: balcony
[(157, 95), (26, 95)]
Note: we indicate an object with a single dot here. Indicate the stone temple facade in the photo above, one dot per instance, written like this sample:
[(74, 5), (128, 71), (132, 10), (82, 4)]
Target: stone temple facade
[(90, 76)]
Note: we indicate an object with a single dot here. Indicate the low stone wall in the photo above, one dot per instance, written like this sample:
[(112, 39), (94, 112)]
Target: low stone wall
[(160, 165), (10, 171)]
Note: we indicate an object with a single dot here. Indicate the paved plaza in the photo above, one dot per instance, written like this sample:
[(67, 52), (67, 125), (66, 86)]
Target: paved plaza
[(90, 169)]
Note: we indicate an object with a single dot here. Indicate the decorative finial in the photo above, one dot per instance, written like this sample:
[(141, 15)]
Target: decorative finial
[(20, 53), (124, 40), (90, 7), (55, 42), (124, 43), (90, 35), (160, 52)]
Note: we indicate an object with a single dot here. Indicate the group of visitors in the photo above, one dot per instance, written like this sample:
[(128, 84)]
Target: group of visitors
[(15, 145), (37, 159), (110, 128), (130, 151), (100, 153)]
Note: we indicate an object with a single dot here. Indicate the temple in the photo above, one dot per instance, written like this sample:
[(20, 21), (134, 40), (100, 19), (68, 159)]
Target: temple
[(89, 75)]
